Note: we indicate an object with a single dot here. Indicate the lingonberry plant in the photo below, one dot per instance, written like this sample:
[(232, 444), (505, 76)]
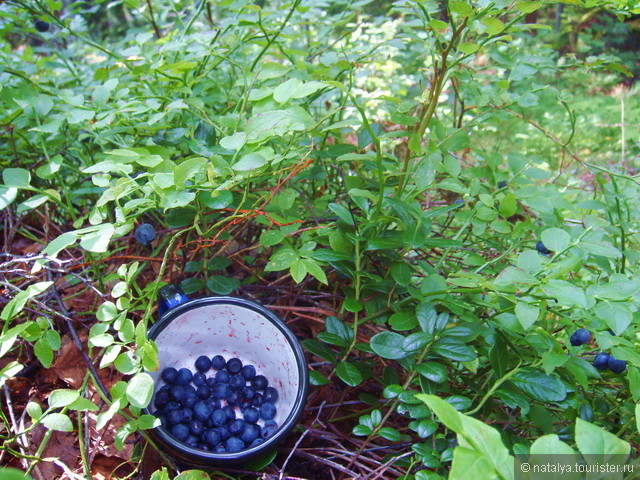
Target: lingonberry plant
[(423, 189)]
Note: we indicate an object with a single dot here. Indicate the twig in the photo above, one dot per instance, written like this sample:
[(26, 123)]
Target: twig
[(76, 339), (382, 468), (295, 447), (21, 441)]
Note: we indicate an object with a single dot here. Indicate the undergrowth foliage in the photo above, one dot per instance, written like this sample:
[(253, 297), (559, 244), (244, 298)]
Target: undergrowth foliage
[(404, 161)]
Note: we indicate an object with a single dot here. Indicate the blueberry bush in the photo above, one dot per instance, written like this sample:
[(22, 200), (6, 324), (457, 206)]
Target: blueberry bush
[(440, 198)]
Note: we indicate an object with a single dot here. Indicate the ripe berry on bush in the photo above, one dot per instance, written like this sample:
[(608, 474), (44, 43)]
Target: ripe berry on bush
[(542, 249), (580, 337), (42, 26), (615, 365), (145, 234), (601, 362)]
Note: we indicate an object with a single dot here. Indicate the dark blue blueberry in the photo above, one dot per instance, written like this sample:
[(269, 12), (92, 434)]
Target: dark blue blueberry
[(222, 377), (164, 389), (220, 449), (268, 411), (244, 405), (196, 427), (212, 437), (251, 415), (237, 381), (233, 397), (189, 401), (199, 379), (184, 376), (502, 184), (170, 296), (234, 365), (180, 431), (224, 433), (218, 362), (203, 364), (230, 412), (177, 393), (249, 434), (161, 399), (205, 447), (174, 416), (42, 26), (234, 444), (248, 372), (248, 392), (270, 395), (601, 362), (145, 234), (220, 391), (170, 406), (190, 390), (256, 442), (187, 415), (218, 418), (201, 411), (192, 441), (542, 249), (203, 392), (211, 381), (616, 366), (269, 428), (237, 426), (169, 374), (257, 400), (259, 382), (214, 403), (580, 337)]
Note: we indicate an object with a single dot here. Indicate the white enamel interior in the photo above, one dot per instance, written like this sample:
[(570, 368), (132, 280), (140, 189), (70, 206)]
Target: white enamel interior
[(231, 331)]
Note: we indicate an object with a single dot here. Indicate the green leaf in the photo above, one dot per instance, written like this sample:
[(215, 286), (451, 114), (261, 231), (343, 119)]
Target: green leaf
[(282, 259), (9, 371), (468, 48), (16, 177), (593, 440), (96, 239), (317, 379), (335, 326), (433, 371), (508, 205), (12, 474), (567, 294), (43, 352), (315, 270), (188, 169), (349, 374), (528, 6), (193, 475), (494, 25), (271, 237), (511, 278), (617, 315), (234, 142), (453, 349), (222, 285), (7, 196), (388, 345), (555, 239), (526, 314), (390, 434), (250, 161), (298, 270), (480, 445), (539, 386), (140, 390), (57, 421), (603, 249), (62, 398)]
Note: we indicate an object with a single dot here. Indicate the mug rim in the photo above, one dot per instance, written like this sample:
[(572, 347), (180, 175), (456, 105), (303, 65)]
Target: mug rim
[(198, 456)]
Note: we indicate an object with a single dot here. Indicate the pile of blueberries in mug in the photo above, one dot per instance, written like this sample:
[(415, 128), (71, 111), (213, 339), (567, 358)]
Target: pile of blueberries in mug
[(202, 412)]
